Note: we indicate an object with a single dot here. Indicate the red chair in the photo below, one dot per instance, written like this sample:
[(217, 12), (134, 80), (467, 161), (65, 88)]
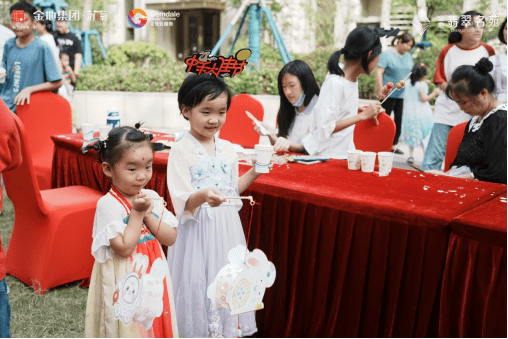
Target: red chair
[(375, 138), (452, 144), (46, 115), (238, 128), (51, 239)]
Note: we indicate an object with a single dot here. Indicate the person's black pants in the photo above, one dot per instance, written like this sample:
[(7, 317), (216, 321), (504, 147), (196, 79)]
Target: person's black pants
[(396, 106)]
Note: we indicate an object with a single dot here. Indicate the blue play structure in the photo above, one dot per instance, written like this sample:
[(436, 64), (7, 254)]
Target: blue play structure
[(254, 8), (50, 6)]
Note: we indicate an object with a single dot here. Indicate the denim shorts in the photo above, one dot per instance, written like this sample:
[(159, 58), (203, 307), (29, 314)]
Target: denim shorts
[(5, 310), (435, 152)]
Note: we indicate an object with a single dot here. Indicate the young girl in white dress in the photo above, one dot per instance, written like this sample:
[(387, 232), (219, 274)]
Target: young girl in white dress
[(130, 293), (298, 92), (336, 111), (202, 170), (417, 114)]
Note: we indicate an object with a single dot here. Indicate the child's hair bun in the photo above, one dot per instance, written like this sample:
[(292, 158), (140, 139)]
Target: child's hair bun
[(138, 125), (484, 66)]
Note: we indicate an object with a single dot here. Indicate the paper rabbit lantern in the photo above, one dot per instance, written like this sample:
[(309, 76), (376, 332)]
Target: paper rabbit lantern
[(240, 285), (138, 295)]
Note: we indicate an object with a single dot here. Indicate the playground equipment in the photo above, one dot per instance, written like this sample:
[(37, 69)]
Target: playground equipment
[(254, 8), (51, 9)]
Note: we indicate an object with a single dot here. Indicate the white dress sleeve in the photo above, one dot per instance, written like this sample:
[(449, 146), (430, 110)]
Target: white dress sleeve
[(325, 114), (160, 210), (108, 223), (179, 182)]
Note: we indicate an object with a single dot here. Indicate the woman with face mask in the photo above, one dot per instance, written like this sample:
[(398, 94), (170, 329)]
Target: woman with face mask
[(298, 93), (394, 65), (465, 48)]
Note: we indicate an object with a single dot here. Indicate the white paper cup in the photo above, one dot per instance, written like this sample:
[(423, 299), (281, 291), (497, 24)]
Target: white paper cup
[(385, 161), (104, 131), (87, 130), (3, 75), (263, 158), (354, 161), (178, 135), (368, 161)]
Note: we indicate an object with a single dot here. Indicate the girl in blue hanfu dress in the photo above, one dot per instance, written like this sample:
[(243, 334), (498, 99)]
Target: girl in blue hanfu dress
[(202, 171), (130, 293)]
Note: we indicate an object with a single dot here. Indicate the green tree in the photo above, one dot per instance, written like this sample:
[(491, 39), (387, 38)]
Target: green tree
[(434, 6)]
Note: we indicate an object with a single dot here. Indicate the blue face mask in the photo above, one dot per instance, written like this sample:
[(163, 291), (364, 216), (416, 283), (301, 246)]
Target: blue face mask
[(300, 100)]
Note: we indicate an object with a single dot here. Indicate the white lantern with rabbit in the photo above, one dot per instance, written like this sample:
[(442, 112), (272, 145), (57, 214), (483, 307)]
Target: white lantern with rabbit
[(240, 285)]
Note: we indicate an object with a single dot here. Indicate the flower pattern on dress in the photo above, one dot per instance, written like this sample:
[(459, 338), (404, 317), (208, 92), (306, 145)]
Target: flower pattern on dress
[(212, 171)]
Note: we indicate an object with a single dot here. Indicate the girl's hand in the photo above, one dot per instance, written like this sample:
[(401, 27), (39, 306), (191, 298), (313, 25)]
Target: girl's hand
[(381, 95), (281, 145), (149, 209), (436, 91), (213, 196), (372, 111), (141, 204)]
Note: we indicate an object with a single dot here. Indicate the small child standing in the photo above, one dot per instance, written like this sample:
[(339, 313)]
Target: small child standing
[(417, 114), (202, 171), (130, 292), (67, 89)]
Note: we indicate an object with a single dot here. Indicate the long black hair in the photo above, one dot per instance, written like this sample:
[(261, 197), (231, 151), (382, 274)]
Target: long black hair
[(286, 114), (471, 80), (360, 41), (119, 139), (196, 88), (455, 35)]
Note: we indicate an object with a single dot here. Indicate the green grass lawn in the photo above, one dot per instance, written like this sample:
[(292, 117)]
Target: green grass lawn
[(58, 313)]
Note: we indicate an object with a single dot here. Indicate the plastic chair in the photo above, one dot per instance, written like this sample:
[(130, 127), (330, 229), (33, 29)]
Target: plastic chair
[(46, 115), (452, 144), (51, 239), (238, 128), (375, 138)]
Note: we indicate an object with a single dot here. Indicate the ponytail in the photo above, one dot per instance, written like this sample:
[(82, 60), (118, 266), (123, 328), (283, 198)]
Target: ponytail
[(333, 63)]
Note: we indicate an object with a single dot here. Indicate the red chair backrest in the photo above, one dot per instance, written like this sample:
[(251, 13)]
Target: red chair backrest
[(21, 184), (375, 138), (452, 144), (46, 115), (238, 127)]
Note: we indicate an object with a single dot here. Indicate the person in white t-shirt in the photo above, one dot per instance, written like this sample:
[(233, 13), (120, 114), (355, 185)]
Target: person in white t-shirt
[(465, 48), (499, 71), (43, 27), (5, 34), (336, 112)]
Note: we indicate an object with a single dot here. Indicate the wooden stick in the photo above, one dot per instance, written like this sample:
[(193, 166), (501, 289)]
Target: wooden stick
[(395, 88), (416, 167), (400, 143)]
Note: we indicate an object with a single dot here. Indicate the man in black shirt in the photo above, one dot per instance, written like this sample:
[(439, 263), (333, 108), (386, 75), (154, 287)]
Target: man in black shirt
[(68, 43)]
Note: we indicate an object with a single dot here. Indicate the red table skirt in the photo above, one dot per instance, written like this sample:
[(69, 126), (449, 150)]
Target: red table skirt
[(352, 264), (473, 295)]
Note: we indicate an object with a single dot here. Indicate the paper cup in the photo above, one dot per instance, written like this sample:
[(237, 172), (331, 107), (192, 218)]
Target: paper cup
[(179, 135), (354, 161), (3, 75), (385, 162), (368, 161), (87, 130), (104, 131), (263, 158)]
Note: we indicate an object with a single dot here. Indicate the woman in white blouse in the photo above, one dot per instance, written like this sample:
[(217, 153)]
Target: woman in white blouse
[(298, 93), (336, 112)]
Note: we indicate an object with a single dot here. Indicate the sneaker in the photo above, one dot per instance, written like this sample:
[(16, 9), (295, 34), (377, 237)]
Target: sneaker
[(410, 160), (398, 152)]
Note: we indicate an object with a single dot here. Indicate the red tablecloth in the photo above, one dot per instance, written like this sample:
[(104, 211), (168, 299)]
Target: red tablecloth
[(356, 254), (473, 295)]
